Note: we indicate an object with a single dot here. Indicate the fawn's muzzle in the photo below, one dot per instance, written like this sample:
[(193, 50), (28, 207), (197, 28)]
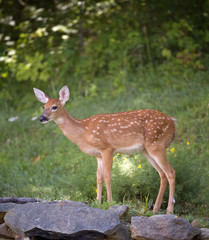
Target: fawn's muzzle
[(43, 119)]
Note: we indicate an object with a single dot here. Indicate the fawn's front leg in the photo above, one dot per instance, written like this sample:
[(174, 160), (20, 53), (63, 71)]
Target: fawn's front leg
[(107, 157), (100, 178)]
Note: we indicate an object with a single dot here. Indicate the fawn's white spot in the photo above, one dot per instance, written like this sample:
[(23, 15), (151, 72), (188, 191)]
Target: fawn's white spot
[(60, 120)]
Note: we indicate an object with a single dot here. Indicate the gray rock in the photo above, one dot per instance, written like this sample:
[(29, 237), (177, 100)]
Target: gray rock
[(61, 220), (122, 233), (4, 208), (204, 234), (162, 227), (121, 211), (6, 232), (195, 223)]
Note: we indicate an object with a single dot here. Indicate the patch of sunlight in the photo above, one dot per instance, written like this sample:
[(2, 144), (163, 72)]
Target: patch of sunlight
[(126, 166)]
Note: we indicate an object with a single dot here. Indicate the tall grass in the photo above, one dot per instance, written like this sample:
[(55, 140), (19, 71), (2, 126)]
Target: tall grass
[(38, 161)]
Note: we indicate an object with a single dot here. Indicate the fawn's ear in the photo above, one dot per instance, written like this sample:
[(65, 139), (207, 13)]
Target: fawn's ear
[(42, 97), (64, 95)]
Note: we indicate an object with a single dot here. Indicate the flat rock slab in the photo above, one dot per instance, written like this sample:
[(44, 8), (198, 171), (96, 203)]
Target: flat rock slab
[(61, 220), (204, 234), (4, 208), (162, 227), (121, 211)]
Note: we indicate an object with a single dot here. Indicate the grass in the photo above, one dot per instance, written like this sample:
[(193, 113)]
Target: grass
[(38, 161)]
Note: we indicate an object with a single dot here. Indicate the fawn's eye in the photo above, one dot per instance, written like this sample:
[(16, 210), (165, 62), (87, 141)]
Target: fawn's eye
[(54, 108)]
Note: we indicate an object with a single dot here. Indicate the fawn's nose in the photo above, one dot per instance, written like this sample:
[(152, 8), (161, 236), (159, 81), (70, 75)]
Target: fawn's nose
[(43, 118)]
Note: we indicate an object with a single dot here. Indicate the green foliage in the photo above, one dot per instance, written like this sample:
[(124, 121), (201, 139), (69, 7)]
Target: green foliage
[(85, 41), (33, 68), (38, 161), (105, 205)]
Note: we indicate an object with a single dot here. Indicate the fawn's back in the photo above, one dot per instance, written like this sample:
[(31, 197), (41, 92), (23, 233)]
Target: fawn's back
[(129, 132)]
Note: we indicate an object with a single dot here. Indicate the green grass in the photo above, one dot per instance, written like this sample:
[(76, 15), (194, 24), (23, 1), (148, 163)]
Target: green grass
[(38, 161)]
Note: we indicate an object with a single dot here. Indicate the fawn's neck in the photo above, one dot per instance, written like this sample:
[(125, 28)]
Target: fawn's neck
[(72, 128)]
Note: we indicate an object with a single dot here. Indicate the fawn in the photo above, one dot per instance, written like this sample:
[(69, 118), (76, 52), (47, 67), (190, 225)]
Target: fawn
[(147, 131)]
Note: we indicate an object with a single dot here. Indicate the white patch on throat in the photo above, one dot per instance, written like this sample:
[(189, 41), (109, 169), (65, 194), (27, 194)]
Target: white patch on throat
[(59, 120)]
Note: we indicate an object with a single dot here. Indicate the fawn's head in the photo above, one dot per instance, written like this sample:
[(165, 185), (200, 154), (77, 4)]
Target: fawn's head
[(52, 106)]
